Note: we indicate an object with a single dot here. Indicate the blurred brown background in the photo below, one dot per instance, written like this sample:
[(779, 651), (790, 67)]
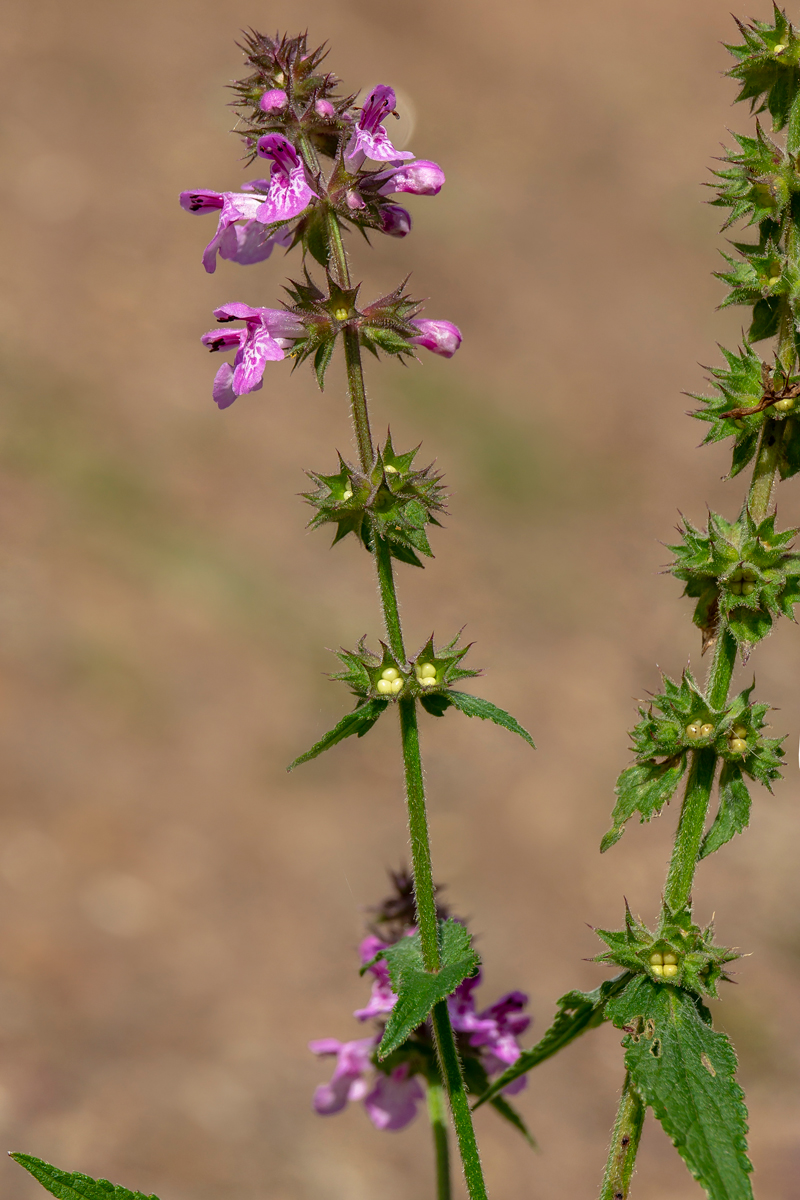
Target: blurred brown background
[(179, 915)]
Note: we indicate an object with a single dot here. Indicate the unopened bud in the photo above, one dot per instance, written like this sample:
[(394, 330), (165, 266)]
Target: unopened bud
[(738, 745), (670, 970), (390, 673), (348, 495), (273, 101), (693, 730), (324, 108), (397, 686), (706, 730)]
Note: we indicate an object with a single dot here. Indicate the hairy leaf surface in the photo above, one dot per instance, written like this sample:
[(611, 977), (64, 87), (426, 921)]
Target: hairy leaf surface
[(358, 722), (66, 1186), (473, 706), (418, 990), (685, 1071), (733, 814)]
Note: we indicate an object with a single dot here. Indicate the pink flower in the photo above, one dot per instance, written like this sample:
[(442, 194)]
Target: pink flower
[(370, 139), (395, 221), (233, 206), (494, 1031), (324, 109), (392, 1103), (420, 178), (289, 191), (353, 1064), (268, 332), (382, 999), (440, 337)]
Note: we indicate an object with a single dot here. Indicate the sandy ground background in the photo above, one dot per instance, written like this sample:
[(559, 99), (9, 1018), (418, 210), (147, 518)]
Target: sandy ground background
[(179, 915)]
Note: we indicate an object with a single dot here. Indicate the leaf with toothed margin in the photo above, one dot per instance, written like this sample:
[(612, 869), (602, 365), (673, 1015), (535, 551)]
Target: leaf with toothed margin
[(577, 1012), (473, 706), (734, 810), (418, 990), (74, 1186), (685, 1071), (644, 788), (358, 722), (477, 1081)]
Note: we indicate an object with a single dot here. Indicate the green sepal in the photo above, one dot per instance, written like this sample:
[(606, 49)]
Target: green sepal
[(685, 1071), (418, 990), (699, 963), (74, 1186), (477, 1082), (577, 1012), (743, 572), (644, 788), (358, 722), (789, 461)]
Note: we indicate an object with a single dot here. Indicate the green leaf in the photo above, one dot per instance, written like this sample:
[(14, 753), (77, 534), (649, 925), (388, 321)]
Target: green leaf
[(743, 451), (358, 722), (510, 1114), (734, 810), (75, 1186), (418, 990), (477, 1081), (790, 449), (685, 1071), (644, 788), (473, 706), (577, 1012)]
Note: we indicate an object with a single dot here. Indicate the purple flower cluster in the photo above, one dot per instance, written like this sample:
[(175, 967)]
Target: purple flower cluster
[(270, 212), (391, 1098)]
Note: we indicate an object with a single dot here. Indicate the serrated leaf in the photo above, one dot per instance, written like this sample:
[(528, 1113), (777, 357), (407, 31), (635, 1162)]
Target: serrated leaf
[(473, 706), (358, 722), (577, 1012), (685, 1071), (734, 810), (417, 990), (74, 1186), (644, 788), (477, 1082)]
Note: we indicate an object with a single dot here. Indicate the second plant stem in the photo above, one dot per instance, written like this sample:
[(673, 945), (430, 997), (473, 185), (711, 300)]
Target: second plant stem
[(424, 892)]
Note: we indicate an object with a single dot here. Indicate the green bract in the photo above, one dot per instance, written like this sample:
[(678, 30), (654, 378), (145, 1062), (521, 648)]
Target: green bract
[(692, 960), (682, 720), (767, 69), (394, 501), (742, 573)]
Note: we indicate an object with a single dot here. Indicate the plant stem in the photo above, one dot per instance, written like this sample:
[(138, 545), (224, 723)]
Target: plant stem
[(424, 892), (437, 1112), (760, 494), (459, 1103), (690, 829), (624, 1144), (721, 670)]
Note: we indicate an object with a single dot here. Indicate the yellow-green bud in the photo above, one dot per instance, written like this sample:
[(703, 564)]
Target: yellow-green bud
[(670, 970), (384, 686), (348, 495), (785, 405), (397, 686), (390, 470), (390, 673), (739, 731), (426, 671), (779, 48), (748, 588), (657, 968), (706, 730), (693, 730), (656, 959), (669, 959), (341, 314), (738, 745), (427, 682)]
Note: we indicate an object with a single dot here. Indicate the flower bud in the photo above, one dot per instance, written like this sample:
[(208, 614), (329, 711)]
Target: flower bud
[(273, 100), (420, 178), (324, 108), (395, 221), (441, 337)]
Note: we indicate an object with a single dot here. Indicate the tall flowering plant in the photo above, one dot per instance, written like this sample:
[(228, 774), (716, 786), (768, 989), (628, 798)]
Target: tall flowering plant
[(330, 168)]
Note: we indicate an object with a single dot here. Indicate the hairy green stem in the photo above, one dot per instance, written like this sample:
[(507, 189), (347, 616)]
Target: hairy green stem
[(437, 1113), (424, 891), (690, 829), (459, 1102), (765, 469), (624, 1144), (721, 669)]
